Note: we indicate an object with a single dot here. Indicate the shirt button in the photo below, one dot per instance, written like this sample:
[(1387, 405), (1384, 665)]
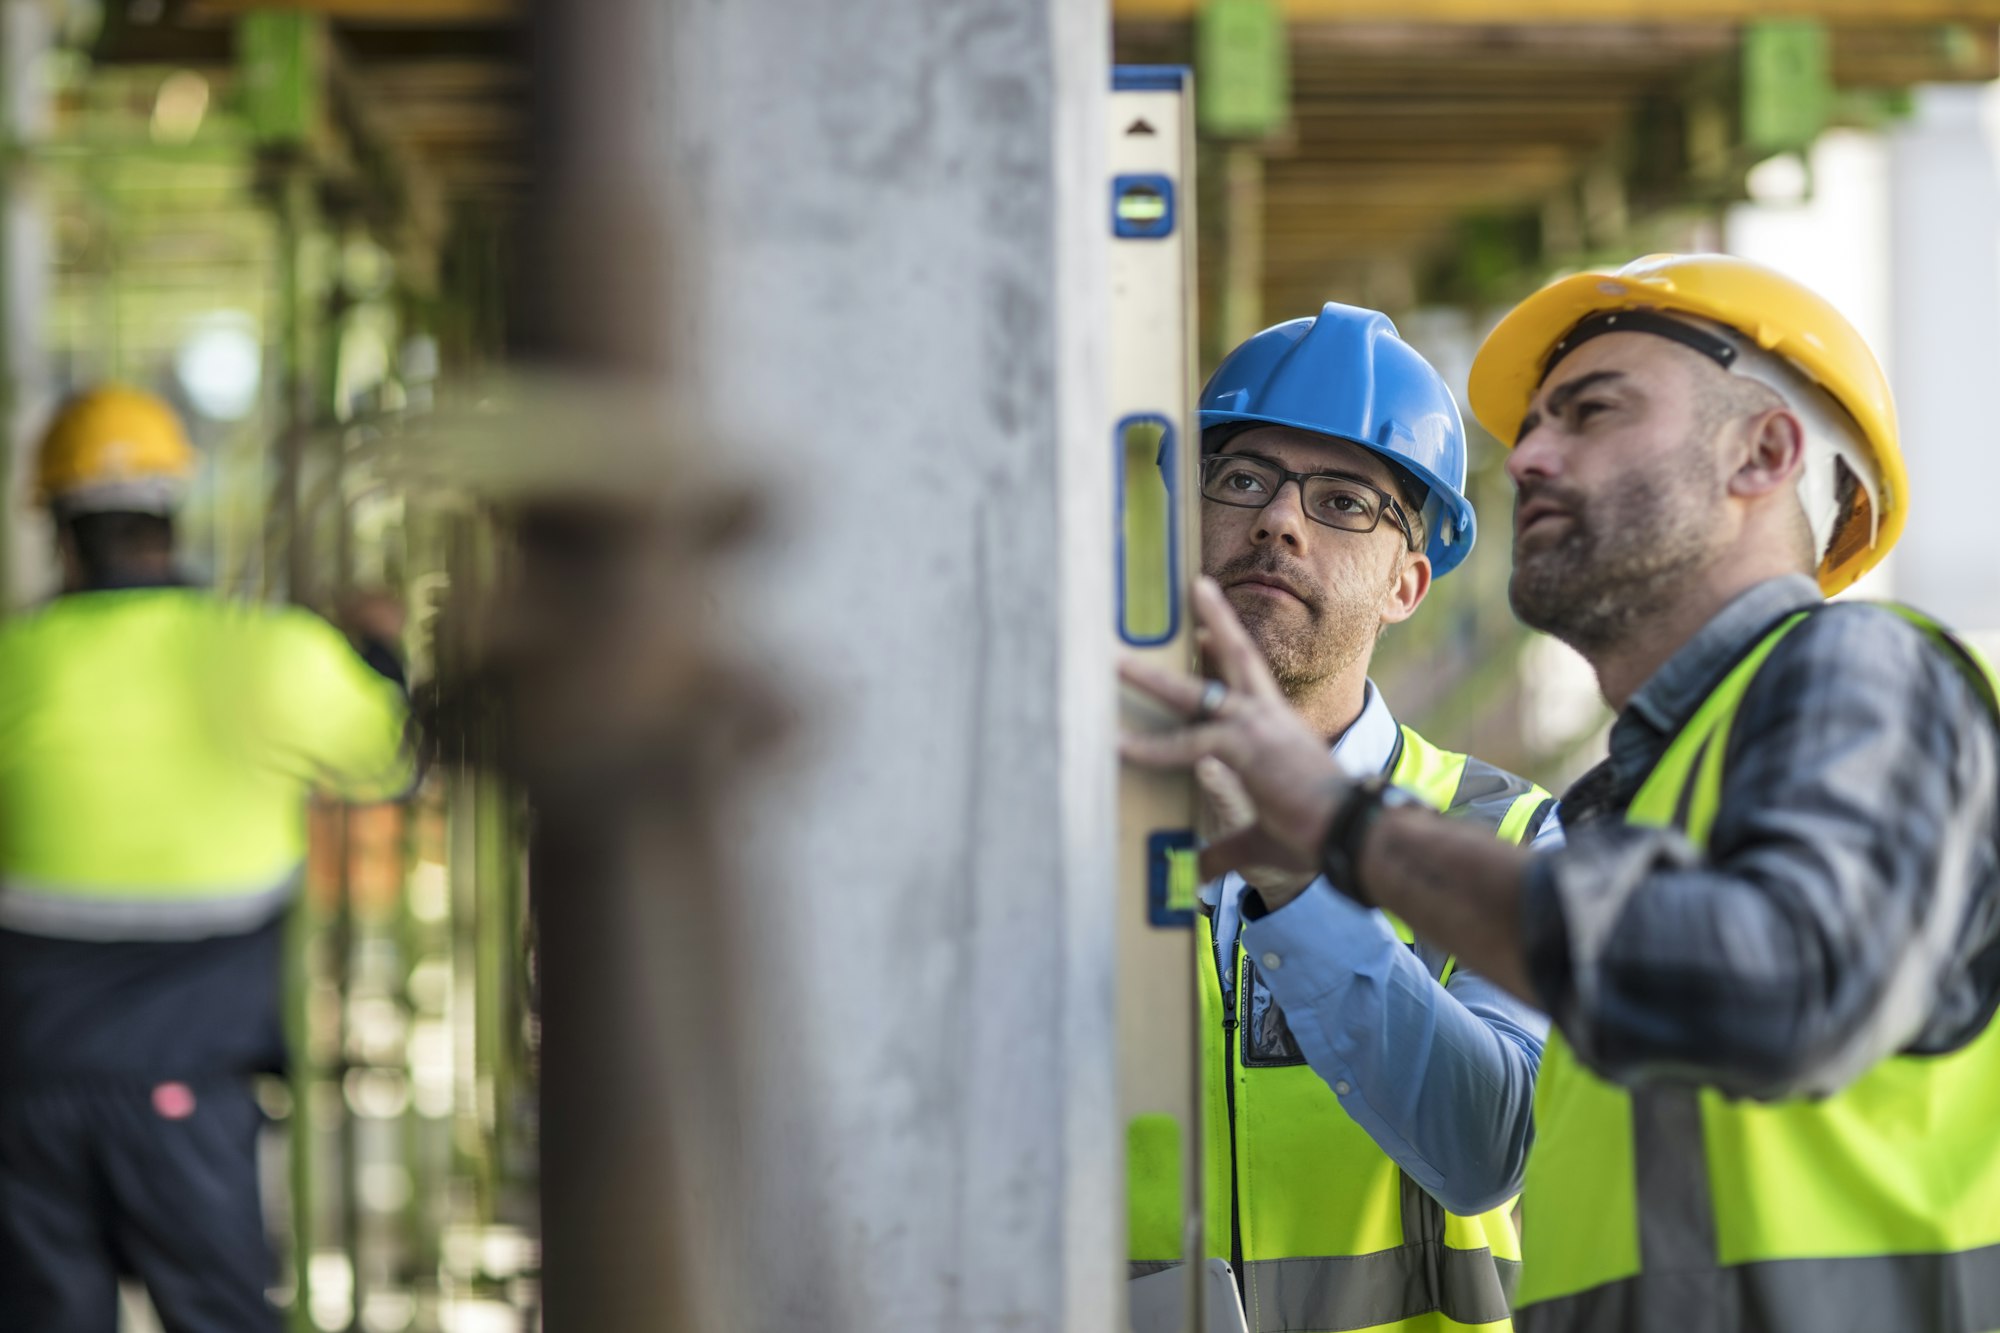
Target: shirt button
[(1343, 1087), (1272, 961)]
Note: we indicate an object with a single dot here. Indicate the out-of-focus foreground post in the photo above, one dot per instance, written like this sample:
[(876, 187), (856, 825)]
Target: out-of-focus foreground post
[(623, 729)]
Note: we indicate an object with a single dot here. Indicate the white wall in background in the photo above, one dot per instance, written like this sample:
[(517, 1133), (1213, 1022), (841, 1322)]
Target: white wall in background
[(1945, 208), (1829, 226)]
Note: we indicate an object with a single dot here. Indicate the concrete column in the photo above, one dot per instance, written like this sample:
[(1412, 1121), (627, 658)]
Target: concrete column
[(889, 289), (1945, 312)]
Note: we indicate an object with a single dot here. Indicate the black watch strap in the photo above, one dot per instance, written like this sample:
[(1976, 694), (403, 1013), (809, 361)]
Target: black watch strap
[(1340, 854)]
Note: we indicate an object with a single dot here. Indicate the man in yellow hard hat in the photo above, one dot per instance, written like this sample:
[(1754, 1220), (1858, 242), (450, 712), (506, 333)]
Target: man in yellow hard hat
[(1771, 950), (156, 747)]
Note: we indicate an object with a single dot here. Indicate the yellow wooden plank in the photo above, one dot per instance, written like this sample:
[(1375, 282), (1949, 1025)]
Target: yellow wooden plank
[(1505, 12)]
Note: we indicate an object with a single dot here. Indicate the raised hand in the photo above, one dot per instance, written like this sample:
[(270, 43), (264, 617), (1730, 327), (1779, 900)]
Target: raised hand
[(1242, 720)]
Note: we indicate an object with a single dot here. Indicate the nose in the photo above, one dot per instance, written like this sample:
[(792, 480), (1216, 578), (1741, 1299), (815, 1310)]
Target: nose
[(1534, 455), (1283, 521)]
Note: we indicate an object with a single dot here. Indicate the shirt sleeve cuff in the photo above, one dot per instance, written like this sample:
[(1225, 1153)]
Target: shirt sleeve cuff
[(1318, 938)]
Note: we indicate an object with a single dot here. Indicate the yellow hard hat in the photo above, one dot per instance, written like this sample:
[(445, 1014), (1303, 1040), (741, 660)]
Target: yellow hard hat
[(1771, 310), (114, 448)]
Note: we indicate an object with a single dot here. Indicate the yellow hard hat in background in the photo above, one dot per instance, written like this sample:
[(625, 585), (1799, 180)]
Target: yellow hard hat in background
[(114, 448), (1776, 313)]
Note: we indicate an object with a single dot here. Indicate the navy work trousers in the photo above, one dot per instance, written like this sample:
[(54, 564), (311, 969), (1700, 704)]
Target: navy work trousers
[(157, 1182)]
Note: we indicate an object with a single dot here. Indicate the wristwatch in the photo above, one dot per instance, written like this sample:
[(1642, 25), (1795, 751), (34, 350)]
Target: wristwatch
[(1340, 853)]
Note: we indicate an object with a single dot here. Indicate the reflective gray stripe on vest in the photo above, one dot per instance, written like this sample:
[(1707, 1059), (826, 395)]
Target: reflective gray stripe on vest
[(37, 909), (1486, 794), (1683, 1286), (1363, 1290), (1920, 1293)]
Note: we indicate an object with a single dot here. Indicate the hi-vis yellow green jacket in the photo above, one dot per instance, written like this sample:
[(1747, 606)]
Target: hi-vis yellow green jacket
[(1674, 1207), (156, 747)]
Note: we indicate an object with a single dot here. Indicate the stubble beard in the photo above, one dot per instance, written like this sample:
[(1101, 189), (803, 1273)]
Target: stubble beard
[(1303, 649), (1622, 558)]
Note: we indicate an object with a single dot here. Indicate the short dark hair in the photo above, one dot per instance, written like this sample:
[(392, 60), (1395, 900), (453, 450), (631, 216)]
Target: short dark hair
[(1414, 495), (108, 544)]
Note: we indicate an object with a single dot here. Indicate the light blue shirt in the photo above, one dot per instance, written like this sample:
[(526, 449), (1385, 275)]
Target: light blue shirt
[(1441, 1077)]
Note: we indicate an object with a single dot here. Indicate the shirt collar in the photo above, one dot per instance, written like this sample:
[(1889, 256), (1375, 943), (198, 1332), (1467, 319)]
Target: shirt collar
[(1368, 746), (1672, 693)]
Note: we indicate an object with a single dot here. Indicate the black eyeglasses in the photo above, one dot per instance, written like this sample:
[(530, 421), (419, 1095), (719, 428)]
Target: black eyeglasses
[(1347, 503)]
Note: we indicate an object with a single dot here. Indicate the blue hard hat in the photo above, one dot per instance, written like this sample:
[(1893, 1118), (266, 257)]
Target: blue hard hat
[(1348, 374)]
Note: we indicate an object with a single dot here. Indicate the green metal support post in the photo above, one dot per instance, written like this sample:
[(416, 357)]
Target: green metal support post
[(278, 54)]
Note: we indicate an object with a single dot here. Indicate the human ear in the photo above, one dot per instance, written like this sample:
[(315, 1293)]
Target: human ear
[(1774, 449), (1406, 593)]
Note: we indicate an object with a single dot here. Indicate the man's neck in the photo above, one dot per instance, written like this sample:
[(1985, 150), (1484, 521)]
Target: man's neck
[(143, 572), (1627, 665), (1331, 706)]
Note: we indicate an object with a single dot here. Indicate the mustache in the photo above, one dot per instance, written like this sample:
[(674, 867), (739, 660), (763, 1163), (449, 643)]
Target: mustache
[(1569, 501), (1268, 563)]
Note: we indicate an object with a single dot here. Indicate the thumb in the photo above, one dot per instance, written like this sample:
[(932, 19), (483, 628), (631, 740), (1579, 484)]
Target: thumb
[(1251, 847), (1228, 805)]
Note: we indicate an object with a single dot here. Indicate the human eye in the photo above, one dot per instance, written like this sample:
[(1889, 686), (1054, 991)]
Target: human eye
[(1240, 478), (1342, 500)]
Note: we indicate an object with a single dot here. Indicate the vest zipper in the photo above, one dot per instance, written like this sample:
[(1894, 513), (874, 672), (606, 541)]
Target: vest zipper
[(1229, 1093)]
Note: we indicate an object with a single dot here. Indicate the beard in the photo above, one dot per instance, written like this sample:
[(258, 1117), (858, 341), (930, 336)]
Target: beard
[(1622, 556), (1336, 629)]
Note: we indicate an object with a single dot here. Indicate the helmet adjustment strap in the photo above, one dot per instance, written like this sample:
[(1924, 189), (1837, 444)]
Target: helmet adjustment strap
[(1718, 350)]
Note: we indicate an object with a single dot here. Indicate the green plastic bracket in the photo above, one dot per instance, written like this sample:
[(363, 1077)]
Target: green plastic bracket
[(1787, 84), (1243, 78), (282, 54)]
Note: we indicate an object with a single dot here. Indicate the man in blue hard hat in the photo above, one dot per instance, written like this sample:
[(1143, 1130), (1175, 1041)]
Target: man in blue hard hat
[(1369, 1101)]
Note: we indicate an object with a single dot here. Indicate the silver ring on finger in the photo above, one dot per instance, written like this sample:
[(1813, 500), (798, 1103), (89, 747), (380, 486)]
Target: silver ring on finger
[(1214, 694)]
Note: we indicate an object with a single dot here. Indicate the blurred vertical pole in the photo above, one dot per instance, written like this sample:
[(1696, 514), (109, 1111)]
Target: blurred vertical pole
[(1243, 253), (281, 56), (636, 948), (277, 55), (890, 225), (27, 35), (297, 414)]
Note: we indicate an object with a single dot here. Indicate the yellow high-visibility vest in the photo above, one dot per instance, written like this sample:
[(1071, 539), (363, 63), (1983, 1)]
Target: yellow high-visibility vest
[(1334, 1234), (156, 749), (1674, 1207)]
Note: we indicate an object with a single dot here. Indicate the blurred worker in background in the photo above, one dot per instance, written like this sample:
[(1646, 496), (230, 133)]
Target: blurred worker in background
[(157, 745), (1370, 1100), (1772, 946)]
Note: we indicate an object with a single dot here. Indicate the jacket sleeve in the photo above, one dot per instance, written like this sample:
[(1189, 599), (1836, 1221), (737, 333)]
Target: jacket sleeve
[(1441, 1076), (333, 719)]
